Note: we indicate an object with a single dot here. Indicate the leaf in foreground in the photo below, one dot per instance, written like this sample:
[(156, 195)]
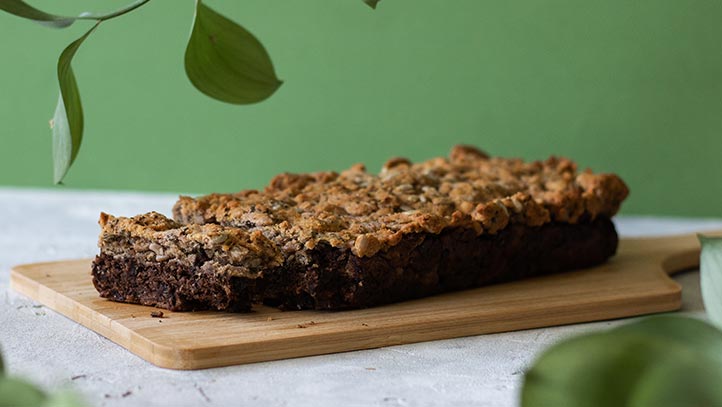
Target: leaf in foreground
[(64, 398), (660, 361), (67, 123), (226, 62), (372, 3), (17, 392), (22, 9), (710, 266)]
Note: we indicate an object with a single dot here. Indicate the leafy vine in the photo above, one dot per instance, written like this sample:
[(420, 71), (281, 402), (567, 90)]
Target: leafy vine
[(222, 60)]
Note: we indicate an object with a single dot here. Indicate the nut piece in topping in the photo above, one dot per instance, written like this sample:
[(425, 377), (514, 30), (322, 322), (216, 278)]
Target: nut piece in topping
[(395, 162), (493, 216), (463, 152), (366, 245)]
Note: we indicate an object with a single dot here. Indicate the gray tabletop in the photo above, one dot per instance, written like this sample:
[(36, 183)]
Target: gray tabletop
[(55, 352)]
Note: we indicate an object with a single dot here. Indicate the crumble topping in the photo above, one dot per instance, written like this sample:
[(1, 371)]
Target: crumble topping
[(367, 213), (154, 238)]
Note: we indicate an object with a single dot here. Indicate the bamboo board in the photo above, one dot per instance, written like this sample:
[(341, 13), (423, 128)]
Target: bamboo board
[(634, 282)]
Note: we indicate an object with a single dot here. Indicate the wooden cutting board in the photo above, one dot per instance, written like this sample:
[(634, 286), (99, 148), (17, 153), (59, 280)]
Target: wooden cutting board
[(634, 282)]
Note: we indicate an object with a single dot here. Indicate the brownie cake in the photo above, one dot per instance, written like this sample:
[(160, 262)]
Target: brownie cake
[(336, 241)]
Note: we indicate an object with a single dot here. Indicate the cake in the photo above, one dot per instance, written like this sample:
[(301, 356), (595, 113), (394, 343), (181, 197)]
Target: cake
[(353, 239)]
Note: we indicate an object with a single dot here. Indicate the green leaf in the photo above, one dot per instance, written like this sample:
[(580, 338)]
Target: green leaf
[(685, 331), (640, 364), (679, 380), (67, 124), (64, 398), (710, 266), (22, 9), (226, 62), (372, 3), (19, 393)]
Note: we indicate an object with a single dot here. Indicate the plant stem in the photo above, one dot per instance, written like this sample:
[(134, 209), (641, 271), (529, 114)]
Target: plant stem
[(109, 16)]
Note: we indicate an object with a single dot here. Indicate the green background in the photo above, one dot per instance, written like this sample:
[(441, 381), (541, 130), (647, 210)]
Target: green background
[(632, 87)]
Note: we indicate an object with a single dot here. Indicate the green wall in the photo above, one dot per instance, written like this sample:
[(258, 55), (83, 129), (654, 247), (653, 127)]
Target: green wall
[(633, 87)]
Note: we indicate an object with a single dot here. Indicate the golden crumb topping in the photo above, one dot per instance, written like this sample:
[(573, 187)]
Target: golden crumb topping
[(367, 212), (154, 238)]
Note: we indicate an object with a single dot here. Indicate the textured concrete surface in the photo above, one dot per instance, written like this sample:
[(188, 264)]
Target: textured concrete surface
[(55, 352)]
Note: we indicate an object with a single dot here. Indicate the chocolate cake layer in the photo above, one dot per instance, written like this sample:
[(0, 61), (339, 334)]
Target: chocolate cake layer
[(171, 285), (424, 264), (330, 278)]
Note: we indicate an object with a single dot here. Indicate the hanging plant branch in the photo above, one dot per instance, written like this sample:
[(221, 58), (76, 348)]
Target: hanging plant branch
[(222, 60), (114, 14), (23, 9)]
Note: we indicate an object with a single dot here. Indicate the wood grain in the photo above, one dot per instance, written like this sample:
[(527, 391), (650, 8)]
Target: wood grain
[(634, 282)]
